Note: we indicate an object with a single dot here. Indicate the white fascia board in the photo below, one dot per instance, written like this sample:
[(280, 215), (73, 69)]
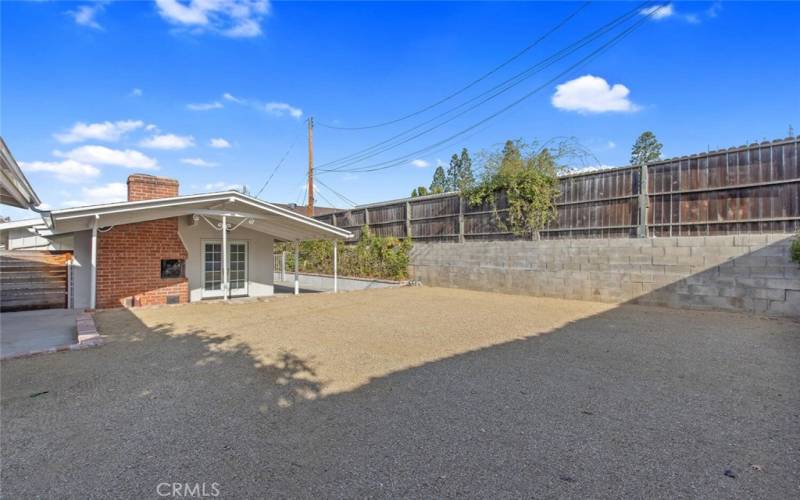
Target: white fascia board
[(225, 196), (16, 224)]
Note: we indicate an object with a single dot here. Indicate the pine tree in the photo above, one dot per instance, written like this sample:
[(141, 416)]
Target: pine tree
[(419, 191), (645, 149), (414, 193), (452, 173), (511, 160), (439, 184), (465, 177)]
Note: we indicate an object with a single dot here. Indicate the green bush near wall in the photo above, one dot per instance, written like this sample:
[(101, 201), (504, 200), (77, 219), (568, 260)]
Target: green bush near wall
[(372, 257), (795, 249)]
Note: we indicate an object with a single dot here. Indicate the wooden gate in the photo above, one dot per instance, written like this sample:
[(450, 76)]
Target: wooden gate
[(34, 280)]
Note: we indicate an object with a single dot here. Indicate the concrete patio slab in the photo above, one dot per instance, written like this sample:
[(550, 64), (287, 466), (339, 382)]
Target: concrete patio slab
[(36, 331)]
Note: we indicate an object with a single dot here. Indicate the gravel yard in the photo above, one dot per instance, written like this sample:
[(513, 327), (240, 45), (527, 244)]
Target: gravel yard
[(412, 392)]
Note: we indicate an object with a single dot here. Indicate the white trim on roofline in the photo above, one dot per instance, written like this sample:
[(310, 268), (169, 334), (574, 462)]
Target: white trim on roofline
[(130, 206), (16, 224)]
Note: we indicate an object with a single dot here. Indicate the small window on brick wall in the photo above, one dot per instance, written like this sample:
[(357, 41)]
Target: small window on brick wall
[(172, 268)]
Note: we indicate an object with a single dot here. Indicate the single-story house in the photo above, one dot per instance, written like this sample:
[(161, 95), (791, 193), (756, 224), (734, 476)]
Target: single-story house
[(162, 248)]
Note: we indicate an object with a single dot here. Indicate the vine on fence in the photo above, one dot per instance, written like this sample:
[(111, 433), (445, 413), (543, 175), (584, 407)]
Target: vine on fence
[(528, 174), (372, 257)]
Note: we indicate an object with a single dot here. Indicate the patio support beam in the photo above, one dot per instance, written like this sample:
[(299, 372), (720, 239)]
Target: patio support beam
[(93, 267), (296, 267), (335, 270), (225, 257)]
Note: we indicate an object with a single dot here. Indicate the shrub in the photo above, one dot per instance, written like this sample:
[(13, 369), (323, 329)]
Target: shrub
[(372, 257), (795, 249)]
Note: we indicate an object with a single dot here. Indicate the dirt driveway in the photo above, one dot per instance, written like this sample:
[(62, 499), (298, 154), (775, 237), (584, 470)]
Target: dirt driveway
[(413, 392)]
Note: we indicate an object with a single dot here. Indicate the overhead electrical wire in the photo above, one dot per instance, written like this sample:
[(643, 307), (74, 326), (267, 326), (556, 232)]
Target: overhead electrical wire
[(338, 194), (402, 160), (283, 159), (503, 87), (471, 84)]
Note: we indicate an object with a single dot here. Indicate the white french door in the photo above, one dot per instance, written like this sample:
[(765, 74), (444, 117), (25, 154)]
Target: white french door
[(212, 268)]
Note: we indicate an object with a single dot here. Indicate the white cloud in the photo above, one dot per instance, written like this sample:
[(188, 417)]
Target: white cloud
[(168, 141), (231, 18), (85, 15), (152, 127), (105, 131), (232, 98), (101, 155), (98, 195), (659, 12), (204, 106), (65, 171), (274, 108), (667, 11), (219, 143), (137, 92), (282, 108), (198, 162), (421, 163), (592, 94)]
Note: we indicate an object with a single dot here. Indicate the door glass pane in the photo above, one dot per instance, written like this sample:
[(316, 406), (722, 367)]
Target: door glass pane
[(213, 266), (237, 266)]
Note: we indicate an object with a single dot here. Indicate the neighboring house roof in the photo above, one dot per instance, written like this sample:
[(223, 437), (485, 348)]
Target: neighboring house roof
[(17, 224), (15, 190), (301, 209), (266, 217)]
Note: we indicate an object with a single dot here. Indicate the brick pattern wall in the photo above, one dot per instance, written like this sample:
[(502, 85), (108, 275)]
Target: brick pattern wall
[(751, 273), (129, 264), (149, 187)]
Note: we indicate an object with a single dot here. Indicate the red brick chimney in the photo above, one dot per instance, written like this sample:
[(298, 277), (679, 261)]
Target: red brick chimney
[(150, 187)]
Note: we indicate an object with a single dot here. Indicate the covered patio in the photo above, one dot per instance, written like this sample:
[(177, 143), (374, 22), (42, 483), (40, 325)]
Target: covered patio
[(180, 249)]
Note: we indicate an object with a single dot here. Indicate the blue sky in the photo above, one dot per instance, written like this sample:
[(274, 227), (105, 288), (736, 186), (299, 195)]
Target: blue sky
[(94, 91)]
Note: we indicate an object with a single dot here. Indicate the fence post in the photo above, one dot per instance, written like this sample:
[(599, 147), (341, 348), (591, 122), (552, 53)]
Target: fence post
[(366, 216), (408, 219), (644, 201), (283, 265), (460, 219)]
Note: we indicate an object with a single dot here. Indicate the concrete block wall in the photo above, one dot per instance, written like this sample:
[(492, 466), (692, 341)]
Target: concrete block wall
[(747, 273)]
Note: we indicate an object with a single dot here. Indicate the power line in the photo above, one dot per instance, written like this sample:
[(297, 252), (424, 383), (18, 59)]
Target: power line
[(340, 195), (474, 82), (503, 87), (402, 160), (285, 155)]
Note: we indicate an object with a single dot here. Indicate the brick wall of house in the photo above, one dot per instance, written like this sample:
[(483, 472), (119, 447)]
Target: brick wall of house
[(129, 264), (149, 187)]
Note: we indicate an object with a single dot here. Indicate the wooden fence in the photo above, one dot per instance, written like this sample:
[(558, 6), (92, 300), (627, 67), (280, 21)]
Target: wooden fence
[(34, 280), (749, 189)]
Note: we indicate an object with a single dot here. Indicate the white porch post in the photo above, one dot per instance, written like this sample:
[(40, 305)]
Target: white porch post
[(283, 265), (225, 257), (335, 270), (296, 267), (93, 269)]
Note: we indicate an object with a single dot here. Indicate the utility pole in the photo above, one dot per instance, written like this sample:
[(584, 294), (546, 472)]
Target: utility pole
[(310, 205)]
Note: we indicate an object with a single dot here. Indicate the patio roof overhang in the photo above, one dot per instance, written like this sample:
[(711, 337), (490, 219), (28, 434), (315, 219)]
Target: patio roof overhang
[(15, 190), (261, 216)]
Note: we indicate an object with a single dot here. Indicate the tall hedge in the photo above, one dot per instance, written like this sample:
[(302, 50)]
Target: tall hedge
[(372, 257)]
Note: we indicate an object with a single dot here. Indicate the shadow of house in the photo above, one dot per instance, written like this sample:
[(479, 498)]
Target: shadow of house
[(606, 406)]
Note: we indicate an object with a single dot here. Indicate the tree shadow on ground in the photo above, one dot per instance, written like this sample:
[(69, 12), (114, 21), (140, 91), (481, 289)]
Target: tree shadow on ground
[(606, 406)]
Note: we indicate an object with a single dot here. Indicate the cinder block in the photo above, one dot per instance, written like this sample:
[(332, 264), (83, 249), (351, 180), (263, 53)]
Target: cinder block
[(691, 241), (767, 293), (664, 242), (746, 240), (719, 241)]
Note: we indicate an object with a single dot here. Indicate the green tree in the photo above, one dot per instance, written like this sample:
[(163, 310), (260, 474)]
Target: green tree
[(453, 172), (645, 149), (419, 191), (465, 177), (524, 179), (439, 184)]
